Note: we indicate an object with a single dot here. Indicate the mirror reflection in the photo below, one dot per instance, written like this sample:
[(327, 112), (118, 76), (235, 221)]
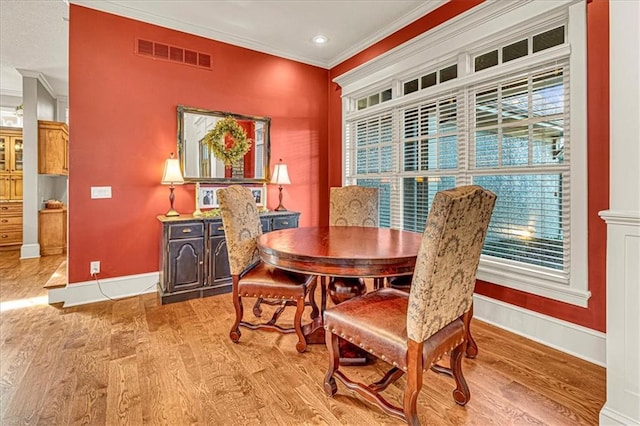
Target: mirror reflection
[(199, 164)]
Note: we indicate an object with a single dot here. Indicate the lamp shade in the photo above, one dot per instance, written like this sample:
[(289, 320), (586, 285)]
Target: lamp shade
[(280, 174), (172, 174)]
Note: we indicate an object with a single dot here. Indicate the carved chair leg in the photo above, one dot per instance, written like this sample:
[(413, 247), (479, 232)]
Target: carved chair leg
[(315, 311), (235, 333), (471, 350), (331, 340), (415, 364), (461, 394), (301, 346)]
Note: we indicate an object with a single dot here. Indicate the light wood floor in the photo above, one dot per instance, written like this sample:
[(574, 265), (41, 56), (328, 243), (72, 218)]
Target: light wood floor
[(136, 362)]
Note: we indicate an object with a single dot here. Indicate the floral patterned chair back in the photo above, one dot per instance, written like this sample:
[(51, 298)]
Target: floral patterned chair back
[(242, 227), (445, 273), (353, 206)]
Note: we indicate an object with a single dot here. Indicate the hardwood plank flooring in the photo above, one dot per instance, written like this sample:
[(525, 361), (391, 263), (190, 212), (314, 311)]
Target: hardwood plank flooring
[(136, 362)]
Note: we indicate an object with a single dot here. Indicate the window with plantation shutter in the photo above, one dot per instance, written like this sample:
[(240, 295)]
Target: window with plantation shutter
[(507, 127), (518, 152)]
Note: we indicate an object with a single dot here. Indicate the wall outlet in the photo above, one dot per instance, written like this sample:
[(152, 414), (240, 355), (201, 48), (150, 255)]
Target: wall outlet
[(95, 267)]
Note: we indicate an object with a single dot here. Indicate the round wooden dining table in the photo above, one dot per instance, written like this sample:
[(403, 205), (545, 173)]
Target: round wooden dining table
[(341, 251)]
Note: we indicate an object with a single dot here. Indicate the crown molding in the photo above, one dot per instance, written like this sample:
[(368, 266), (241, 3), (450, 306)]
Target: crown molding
[(10, 92), (41, 78), (398, 24), (486, 18), (225, 37)]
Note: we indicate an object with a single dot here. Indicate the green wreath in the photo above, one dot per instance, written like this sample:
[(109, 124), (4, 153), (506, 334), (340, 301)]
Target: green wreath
[(214, 139)]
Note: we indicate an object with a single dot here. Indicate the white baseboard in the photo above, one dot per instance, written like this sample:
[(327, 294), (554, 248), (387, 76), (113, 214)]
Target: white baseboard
[(109, 288), (56, 294), (573, 339), (609, 417), (29, 251)]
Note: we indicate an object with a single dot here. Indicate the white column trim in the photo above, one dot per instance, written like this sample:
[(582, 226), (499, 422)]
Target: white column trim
[(623, 219)]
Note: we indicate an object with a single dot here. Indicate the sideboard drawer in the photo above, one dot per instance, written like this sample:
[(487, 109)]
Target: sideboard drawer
[(186, 230), (11, 237), (266, 224), (285, 222), (11, 221), (10, 209), (216, 228)]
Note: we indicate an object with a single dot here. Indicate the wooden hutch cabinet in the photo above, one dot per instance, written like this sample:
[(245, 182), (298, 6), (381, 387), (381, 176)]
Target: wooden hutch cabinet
[(11, 161), (11, 150), (52, 231), (193, 254), (53, 148)]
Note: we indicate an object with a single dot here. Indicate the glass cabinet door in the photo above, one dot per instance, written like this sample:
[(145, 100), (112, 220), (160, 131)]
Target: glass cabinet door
[(4, 157), (17, 154)]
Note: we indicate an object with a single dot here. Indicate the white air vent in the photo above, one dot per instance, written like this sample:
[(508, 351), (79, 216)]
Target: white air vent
[(163, 51)]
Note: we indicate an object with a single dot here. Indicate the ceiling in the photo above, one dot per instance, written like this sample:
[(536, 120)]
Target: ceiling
[(33, 34)]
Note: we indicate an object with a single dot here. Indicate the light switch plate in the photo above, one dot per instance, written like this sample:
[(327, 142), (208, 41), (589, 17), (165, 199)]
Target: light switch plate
[(100, 192)]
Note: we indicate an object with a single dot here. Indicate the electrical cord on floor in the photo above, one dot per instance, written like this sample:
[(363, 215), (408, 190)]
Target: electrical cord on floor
[(95, 276)]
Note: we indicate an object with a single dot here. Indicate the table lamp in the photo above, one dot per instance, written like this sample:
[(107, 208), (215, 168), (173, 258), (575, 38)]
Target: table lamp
[(280, 177), (172, 176)]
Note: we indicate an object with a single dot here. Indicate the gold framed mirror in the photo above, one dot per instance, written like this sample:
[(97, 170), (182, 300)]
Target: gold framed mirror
[(198, 162)]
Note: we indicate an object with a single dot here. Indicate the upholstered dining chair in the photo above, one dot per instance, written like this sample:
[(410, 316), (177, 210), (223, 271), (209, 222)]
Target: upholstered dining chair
[(412, 331), (351, 206), (252, 277)]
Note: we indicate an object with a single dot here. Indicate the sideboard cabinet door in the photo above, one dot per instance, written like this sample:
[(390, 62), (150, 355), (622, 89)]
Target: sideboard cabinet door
[(185, 264), (219, 272)]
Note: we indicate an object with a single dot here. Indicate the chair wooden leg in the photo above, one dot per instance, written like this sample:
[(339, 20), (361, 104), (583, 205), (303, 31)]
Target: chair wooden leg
[(461, 394), (301, 346), (414, 381), (235, 333), (315, 311), (331, 340), (323, 294), (471, 350)]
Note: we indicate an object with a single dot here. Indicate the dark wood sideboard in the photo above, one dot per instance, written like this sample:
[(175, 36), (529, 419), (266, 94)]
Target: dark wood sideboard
[(193, 254)]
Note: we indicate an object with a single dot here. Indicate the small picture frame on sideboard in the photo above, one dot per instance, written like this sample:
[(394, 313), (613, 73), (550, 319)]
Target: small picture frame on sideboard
[(259, 195), (208, 197)]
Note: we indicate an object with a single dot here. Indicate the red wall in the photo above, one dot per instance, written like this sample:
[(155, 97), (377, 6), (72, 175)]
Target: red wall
[(123, 126), (598, 154), (122, 112)]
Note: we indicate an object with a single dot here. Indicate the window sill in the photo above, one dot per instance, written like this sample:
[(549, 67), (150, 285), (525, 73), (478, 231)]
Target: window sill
[(541, 283)]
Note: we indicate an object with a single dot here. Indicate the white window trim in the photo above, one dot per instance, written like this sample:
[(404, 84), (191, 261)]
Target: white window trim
[(468, 33)]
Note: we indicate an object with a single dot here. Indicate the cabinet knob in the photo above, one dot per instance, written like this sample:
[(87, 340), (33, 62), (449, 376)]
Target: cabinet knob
[(220, 228), (4, 236), (186, 231), (284, 222), (5, 208), (5, 220)]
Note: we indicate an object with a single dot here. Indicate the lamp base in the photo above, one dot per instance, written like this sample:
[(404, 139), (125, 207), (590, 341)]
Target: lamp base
[(280, 207), (172, 213)]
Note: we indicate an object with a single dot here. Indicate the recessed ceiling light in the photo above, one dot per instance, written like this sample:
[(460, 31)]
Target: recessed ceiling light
[(320, 39)]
